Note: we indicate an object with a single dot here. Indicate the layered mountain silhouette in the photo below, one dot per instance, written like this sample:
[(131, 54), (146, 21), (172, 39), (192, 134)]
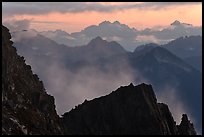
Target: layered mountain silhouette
[(150, 63), (28, 110), (128, 37)]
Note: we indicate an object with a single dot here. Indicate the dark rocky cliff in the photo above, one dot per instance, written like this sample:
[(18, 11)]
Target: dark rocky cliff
[(128, 110), (26, 107)]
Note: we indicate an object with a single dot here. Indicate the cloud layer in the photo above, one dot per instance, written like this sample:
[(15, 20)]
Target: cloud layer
[(33, 8), (169, 96)]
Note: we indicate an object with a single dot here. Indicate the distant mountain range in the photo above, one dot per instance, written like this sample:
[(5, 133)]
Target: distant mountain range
[(188, 48), (128, 37), (91, 64)]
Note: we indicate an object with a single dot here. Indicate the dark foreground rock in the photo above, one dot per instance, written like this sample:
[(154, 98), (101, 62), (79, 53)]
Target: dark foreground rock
[(26, 107), (128, 110)]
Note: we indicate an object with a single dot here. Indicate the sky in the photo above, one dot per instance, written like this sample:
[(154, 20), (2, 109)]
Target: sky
[(75, 16)]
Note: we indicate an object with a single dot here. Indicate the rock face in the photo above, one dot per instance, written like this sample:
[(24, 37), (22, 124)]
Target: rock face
[(128, 110), (26, 107)]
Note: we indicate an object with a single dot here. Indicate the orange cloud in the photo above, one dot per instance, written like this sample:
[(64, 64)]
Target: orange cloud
[(134, 17)]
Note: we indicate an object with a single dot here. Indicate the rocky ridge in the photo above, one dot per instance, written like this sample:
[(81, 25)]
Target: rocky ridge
[(26, 107), (128, 110)]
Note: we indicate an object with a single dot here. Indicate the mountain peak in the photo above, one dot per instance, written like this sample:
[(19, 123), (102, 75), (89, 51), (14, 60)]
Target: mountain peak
[(116, 22), (108, 22), (146, 47), (98, 38), (186, 127), (60, 31), (176, 23), (105, 22), (104, 48), (97, 41)]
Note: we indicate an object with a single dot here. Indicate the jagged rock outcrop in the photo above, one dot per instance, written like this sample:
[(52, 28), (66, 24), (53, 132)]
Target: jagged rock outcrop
[(128, 110), (185, 127), (26, 107)]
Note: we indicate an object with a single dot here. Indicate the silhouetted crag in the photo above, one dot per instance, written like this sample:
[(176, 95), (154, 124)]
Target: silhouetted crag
[(186, 128), (128, 110), (26, 107)]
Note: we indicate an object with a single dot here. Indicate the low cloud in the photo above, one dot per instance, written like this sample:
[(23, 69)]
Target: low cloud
[(48, 22), (17, 25), (169, 96), (147, 39), (19, 29), (72, 88)]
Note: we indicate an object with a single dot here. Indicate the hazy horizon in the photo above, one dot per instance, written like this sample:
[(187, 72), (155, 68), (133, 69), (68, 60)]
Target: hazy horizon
[(68, 16)]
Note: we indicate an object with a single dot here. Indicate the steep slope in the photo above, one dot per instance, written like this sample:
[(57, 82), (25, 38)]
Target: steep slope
[(128, 110), (195, 61), (185, 47), (26, 107), (165, 70), (188, 48)]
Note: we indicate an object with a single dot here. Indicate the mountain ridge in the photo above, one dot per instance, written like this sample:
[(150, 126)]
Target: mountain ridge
[(128, 37), (127, 110)]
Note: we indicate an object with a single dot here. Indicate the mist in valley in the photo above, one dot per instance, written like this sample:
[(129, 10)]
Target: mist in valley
[(71, 87)]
